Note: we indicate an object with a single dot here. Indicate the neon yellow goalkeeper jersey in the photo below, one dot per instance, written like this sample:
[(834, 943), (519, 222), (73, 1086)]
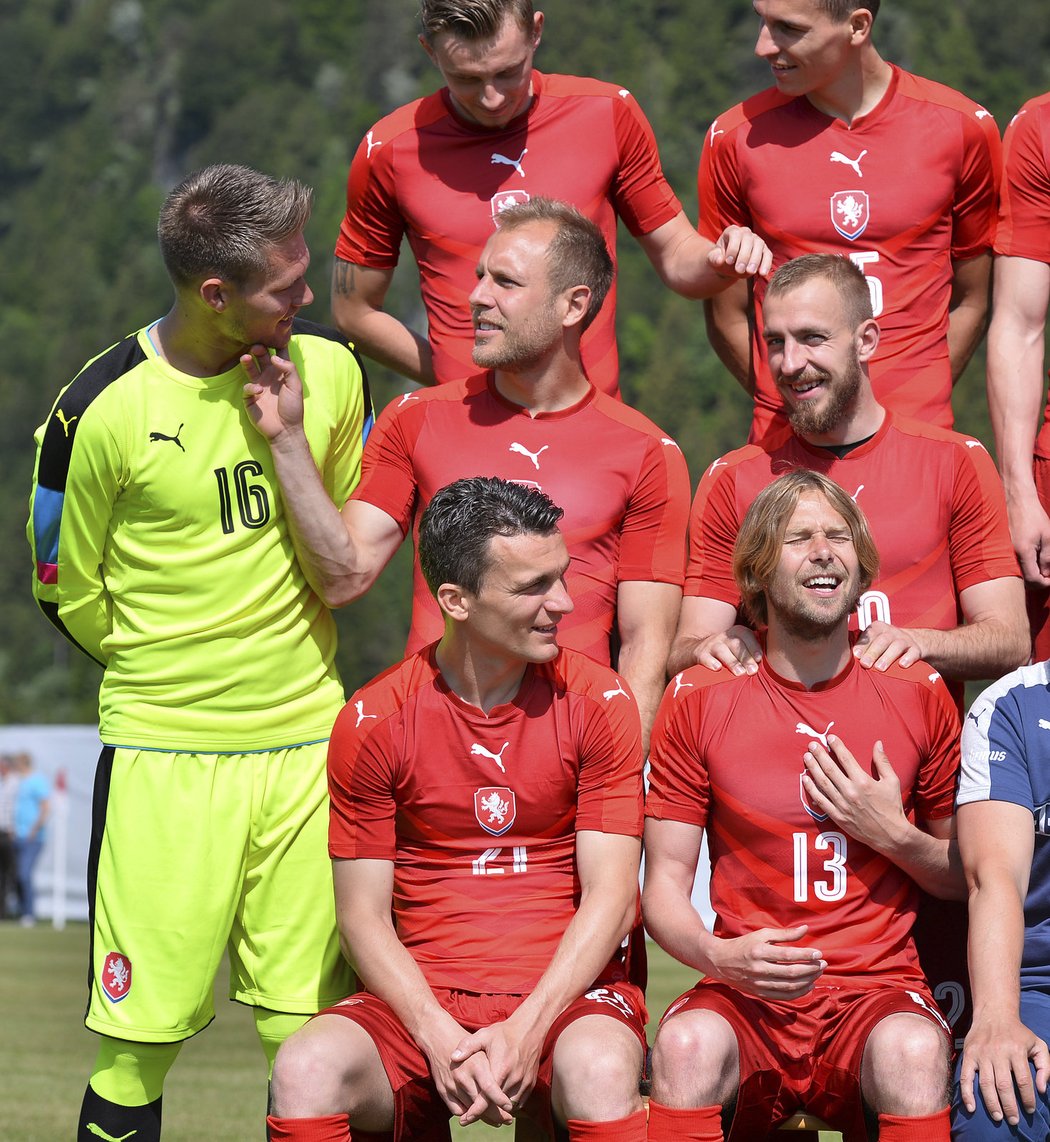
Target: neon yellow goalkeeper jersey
[(162, 548)]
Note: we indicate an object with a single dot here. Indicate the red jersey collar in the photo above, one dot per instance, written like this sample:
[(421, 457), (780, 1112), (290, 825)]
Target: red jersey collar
[(559, 414)]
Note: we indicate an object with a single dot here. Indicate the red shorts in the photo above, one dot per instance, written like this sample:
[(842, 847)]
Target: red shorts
[(1038, 598), (805, 1054), (420, 1113)]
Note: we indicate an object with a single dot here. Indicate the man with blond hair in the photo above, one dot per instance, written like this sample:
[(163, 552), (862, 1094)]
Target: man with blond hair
[(441, 171)]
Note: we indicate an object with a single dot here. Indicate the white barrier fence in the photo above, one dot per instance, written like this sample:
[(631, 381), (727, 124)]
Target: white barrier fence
[(67, 755)]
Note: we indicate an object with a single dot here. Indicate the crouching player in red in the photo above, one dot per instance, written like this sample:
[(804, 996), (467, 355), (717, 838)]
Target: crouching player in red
[(826, 790), (485, 835)]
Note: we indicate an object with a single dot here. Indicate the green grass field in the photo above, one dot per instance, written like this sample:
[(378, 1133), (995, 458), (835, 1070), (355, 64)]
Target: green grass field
[(217, 1090)]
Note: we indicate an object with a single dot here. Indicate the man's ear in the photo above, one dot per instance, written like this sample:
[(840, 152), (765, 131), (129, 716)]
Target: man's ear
[(214, 292), (867, 339), (577, 304), (860, 23), (454, 601)]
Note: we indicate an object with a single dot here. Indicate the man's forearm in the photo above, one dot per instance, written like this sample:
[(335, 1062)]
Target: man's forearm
[(357, 310), (988, 648), (729, 331), (602, 920), (329, 558)]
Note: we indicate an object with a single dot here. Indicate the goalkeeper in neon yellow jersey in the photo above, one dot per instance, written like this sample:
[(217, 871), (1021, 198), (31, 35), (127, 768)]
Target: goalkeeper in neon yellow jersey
[(162, 550)]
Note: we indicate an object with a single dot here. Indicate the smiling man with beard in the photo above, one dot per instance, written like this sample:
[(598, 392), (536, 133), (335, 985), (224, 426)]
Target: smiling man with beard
[(948, 590), (812, 996)]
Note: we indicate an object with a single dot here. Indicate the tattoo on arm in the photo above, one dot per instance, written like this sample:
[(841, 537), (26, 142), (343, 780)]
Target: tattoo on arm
[(344, 278)]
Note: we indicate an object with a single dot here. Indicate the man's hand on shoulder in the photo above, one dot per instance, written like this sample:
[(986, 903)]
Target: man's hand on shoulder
[(740, 252), (273, 392), (737, 649), (881, 645)]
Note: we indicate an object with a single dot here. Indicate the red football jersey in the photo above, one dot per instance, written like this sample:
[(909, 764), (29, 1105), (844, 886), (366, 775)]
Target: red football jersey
[(425, 173), (480, 813), (932, 498), (727, 756), (623, 485), (902, 191), (1024, 206)]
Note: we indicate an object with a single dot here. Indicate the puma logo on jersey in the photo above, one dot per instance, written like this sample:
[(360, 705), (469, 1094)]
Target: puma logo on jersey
[(92, 1128), (839, 157), (155, 436), (1044, 724), (608, 695), (680, 685), (857, 493), (60, 416), (372, 144), (480, 751), (975, 717), (713, 132), (533, 456), (515, 163), (982, 114), (406, 398), (717, 464), (623, 93), (974, 444), (667, 442), (361, 715), (810, 732)]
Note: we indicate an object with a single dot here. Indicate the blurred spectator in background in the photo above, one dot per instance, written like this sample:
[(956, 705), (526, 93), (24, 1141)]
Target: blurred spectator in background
[(8, 782), (31, 809)]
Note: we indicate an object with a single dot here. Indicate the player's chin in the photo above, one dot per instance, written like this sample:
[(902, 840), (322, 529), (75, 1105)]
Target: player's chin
[(543, 643)]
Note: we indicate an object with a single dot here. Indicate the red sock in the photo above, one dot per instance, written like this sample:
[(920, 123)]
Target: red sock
[(694, 1124), (330, 1128), (629, 1129), (917, 1128)]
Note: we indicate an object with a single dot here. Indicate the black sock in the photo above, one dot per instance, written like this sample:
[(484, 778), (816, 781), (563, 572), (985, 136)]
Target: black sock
[(109, 1122)]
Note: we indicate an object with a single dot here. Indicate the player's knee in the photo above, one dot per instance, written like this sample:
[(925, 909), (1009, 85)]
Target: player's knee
[(312, 1072), (906, 1066), (695, 1060), (597, 1069)]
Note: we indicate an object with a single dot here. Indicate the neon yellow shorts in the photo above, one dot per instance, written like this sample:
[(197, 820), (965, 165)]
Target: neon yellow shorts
[(194, 854)]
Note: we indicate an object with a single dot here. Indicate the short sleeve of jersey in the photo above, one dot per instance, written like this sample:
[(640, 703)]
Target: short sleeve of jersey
[(995, 745), (642, 196), (652, 539), (713, 527), (610, 777), (979, 540), (977, 193), (1024, 205), (371, 231), (718, 186), (388, 479), (938, 713), (679, 789)]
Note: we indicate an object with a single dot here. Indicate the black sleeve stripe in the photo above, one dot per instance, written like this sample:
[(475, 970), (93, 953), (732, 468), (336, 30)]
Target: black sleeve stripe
[(57, 446)]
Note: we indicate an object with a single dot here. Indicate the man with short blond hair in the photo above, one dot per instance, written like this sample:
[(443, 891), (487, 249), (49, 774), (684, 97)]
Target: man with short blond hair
[(532, 416), (441, 171)]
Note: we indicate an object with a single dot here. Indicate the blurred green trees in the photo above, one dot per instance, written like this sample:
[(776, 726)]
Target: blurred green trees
[(105, 104)]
